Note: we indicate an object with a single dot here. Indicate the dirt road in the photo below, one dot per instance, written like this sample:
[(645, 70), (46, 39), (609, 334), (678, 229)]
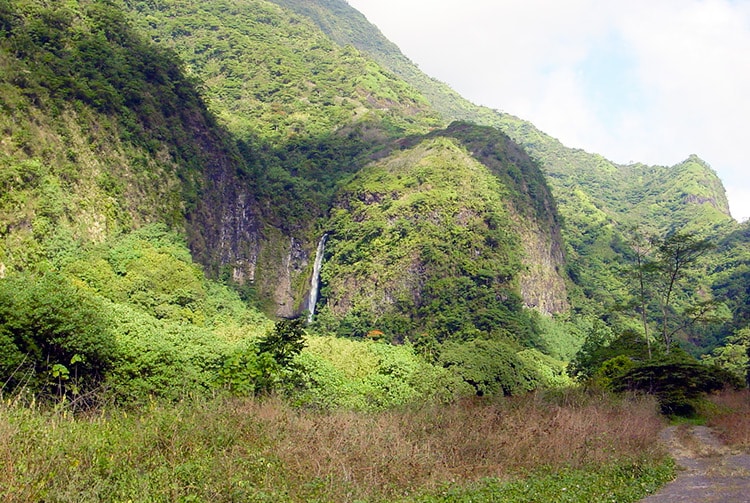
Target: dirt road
[(709, 471)]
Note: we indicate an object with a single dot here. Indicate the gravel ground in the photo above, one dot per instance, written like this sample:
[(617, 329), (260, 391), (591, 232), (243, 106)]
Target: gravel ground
[(710, 471)]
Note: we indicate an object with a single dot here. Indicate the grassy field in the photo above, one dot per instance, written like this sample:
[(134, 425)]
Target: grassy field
[(562, 447), (730, 416)]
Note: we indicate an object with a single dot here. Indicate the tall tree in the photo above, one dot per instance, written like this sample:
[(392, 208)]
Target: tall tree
[(642, 247), (675, 255)]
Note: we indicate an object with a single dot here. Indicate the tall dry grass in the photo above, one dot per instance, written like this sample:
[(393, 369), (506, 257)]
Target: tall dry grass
[(249, 450), (400, 451), (731, 417)]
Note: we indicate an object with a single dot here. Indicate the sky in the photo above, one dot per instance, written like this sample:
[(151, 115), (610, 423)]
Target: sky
[(649, 81)]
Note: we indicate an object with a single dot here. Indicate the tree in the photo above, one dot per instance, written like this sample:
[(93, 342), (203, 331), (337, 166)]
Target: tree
[(676, 380), (734, 355), (642, 247), (675, 254), (601, 347), (284, 342), (267, 365), (659, 267), (491, 367)]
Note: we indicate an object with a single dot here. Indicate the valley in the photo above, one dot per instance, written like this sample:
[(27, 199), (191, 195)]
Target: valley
[(253, 235)]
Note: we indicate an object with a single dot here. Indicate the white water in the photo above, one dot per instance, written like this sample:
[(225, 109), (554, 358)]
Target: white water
[(315, 281)]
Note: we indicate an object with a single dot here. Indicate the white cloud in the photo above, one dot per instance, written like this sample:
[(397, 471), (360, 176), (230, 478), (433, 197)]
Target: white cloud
[(643, 80)]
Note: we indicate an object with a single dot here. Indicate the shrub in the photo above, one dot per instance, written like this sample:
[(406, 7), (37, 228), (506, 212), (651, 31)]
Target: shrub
[(491, 367), (159, 358), (365, 375), (676, 380), (54, 331)]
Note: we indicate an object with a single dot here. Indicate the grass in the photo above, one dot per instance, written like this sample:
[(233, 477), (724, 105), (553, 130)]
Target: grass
[(569, 447), (730, 416)]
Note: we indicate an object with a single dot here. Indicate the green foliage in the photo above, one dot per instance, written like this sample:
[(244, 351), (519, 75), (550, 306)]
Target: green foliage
[(597, 199), (676, 380), (54, 335), (551, 373), (174, 329), (675, 253), (304, 111), (733, 356), (490, 367), (610, 370), (248, 372), (425, 244), (595, 350), (272, 75), (284, 342), (162, 359), (108, 132), (267, 364), (366, 375)]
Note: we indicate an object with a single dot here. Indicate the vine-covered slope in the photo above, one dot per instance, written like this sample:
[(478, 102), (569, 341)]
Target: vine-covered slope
[(600, 202), (252, 127)]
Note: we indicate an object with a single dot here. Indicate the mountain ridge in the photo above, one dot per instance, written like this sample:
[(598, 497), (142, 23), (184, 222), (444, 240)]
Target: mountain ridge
[(250, 138)]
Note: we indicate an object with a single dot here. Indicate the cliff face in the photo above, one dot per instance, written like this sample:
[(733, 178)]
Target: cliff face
[(444, 235), (533, 212), (122, 138)]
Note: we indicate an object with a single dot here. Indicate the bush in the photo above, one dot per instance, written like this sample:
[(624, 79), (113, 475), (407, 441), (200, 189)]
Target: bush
[(158, 358), (491, 367), (366, 375), (54, 332), (676, 380)]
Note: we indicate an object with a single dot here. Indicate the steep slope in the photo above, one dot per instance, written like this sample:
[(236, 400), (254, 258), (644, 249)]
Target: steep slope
[(272, 75), (353, 110), (566, 167), (422, 240), (598, 199), (101, 131), (532, 209), (347, 26), (305, 113)]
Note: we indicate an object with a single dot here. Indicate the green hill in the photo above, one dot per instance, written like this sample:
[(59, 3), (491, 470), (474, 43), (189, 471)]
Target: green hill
[(169, 172), (600, 202), (247, 130)]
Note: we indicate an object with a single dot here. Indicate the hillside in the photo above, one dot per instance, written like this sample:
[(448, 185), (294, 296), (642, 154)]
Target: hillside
[(179, 181), (600, 202), (247, 165), (244, 125), (565, 167), (311, 155)]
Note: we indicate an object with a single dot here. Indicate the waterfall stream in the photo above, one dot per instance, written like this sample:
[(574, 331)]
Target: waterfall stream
[(315, 280)]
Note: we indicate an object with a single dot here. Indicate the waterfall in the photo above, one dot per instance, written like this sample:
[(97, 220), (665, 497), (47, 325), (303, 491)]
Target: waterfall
[(315, 280)]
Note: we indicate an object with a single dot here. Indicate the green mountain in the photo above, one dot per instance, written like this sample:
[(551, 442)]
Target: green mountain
[(347, 111), (244, 131), (600, 202), (247, 166), (617, 188)]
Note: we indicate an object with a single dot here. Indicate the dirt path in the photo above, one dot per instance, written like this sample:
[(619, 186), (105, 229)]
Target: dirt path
[(709, 470)]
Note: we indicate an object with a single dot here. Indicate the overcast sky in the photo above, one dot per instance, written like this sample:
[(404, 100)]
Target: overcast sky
[(650, 81)]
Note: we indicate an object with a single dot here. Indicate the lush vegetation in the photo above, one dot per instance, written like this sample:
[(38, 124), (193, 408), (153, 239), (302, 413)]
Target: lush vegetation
[(423, 240), (531, 448), (167, 166), (304, 110), (599, 201), (95, 142)]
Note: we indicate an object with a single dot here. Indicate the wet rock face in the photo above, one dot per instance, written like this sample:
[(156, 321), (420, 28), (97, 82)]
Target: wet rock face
[(542, 285), (293, 265)]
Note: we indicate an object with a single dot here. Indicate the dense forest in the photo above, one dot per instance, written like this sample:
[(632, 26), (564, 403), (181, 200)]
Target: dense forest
[(253, 210)]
